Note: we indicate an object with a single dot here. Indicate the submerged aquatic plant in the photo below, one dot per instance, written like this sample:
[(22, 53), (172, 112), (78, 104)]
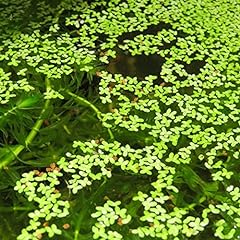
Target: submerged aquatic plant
[(160, 158)]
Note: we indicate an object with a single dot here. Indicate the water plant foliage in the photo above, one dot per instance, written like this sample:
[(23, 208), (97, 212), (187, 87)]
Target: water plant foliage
[(90, 152)]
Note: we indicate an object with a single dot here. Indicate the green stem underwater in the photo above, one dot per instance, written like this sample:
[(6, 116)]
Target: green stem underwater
[(85, 102), (13, 153)]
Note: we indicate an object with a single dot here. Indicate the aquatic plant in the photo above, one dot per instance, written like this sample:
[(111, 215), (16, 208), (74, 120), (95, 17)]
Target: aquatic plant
[(151, 157)]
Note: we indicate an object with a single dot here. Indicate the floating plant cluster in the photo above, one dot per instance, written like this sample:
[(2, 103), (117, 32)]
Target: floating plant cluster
[(175, 135)]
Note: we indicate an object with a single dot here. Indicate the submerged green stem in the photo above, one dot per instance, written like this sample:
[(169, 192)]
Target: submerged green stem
[(37, 125), (14, 152), (85, 102)]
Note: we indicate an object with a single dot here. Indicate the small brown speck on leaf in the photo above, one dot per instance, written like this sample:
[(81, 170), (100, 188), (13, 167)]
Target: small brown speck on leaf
[(36, 172), (66, 226), (48, 169), (225, 154), (39, 236), (57, 169), (124, 81), (119, 221), (98, 74), (45, 224), (56, 191), (135, 100), (46, 123), (53, 165)]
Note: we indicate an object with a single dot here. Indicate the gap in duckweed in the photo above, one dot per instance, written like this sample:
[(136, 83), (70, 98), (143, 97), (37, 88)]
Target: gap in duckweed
[(195, 66), (143, 65), (136, 66)]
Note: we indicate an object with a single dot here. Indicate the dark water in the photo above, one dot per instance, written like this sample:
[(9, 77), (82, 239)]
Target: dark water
[(139, 66), (142, 65)]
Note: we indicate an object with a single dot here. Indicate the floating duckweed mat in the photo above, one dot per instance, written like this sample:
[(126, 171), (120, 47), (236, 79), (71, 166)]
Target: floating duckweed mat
[(105, 155)]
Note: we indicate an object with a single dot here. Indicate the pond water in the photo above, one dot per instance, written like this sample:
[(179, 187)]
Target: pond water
[(121, 186), (139, 66), (143, 65)]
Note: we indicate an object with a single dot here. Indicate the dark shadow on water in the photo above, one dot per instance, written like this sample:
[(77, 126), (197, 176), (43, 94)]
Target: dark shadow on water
[(142, 65), (139, 66), (195, 66)]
